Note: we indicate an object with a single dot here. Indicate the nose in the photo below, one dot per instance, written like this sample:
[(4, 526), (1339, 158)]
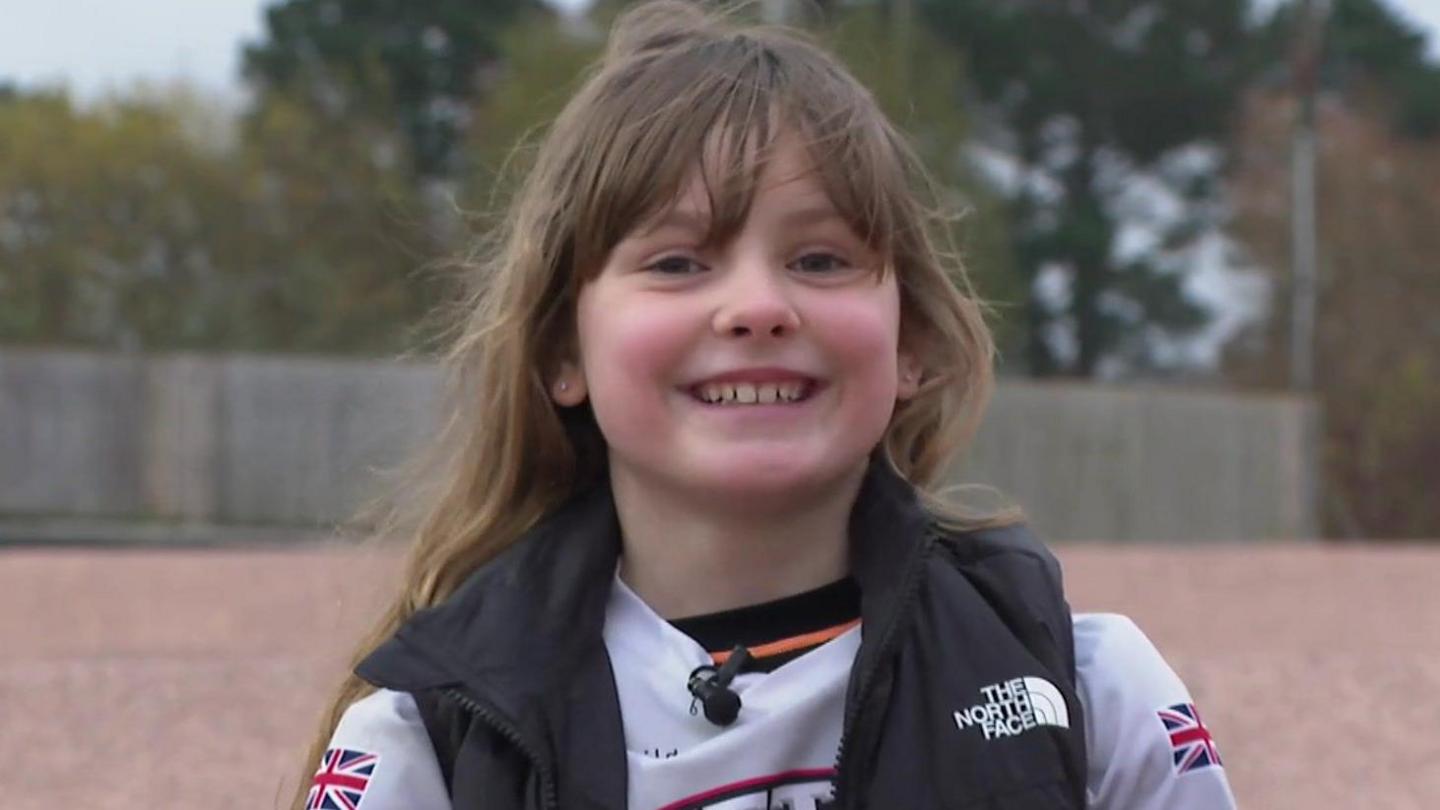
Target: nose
[(755, 303)]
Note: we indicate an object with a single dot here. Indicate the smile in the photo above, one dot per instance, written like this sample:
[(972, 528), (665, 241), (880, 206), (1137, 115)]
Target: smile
[(756, 393)]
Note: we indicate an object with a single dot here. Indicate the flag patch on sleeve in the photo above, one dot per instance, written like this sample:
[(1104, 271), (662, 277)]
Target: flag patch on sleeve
[(341, 780), (1191, 746)]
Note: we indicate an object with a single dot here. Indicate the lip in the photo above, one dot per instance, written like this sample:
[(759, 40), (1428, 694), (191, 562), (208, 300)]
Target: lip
[(768, 374)]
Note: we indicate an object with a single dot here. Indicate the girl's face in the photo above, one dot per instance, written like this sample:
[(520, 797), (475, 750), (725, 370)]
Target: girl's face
[(768, 366)]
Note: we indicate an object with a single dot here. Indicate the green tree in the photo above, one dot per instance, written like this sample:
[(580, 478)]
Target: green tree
[(425, 64), (105, 223), (1087, 98), (1374, 58), (132, 226), (540, 64), (340, 238)]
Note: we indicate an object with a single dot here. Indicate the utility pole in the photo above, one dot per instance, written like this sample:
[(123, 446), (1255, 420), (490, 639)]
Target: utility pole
[(1303, 252)]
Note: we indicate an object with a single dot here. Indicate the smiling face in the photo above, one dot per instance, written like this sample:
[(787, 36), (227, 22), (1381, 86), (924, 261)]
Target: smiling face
[(767, 366)]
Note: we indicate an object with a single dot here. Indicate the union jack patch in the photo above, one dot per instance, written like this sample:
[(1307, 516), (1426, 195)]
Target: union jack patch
[(1191, 746), (340, 782)]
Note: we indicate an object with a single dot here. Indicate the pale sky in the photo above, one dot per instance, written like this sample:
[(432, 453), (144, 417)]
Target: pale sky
[(96, 45)]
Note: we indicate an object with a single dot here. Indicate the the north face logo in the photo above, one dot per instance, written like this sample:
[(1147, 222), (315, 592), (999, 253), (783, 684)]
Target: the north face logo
[(1014, 706)]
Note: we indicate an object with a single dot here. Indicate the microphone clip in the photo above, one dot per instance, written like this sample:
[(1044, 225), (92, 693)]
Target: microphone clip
[(710, 687)]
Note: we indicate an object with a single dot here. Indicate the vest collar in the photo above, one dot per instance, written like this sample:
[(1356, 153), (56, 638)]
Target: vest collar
[(520, 628)]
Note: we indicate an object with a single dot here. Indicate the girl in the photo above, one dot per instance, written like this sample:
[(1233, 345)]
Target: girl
[(681, 549)]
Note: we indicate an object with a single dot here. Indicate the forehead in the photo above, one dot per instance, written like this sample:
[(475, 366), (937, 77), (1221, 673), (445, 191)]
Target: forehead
[(783, 184)]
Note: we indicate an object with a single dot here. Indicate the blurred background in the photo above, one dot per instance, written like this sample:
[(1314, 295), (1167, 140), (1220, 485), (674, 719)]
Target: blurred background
[(1209, 232)]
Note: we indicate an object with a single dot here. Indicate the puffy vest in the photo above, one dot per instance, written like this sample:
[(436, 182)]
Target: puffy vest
[(962, 694)]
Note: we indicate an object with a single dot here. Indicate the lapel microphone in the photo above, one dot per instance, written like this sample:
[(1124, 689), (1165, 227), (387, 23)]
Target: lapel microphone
[(710, 687)]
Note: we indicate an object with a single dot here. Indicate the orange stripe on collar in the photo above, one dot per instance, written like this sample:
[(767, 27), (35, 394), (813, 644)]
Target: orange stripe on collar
[(785, 645)]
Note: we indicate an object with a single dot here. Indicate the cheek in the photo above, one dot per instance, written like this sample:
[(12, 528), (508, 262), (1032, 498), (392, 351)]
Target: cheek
[(865, 339), (629, 351), (864, 334)]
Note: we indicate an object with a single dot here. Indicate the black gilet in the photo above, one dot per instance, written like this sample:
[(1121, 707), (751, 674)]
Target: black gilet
[(513, 679)]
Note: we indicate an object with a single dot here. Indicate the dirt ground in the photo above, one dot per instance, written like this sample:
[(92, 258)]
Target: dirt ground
[(193, 678)]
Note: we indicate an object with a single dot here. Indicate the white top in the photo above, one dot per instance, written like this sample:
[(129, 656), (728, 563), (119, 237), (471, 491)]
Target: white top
[(1146, 750), (782, 745)]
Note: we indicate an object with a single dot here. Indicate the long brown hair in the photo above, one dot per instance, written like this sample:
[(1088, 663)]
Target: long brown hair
[(678, 87)]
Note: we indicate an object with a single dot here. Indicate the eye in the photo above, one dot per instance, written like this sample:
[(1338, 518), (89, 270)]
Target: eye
[(675, 266), (820, 262)]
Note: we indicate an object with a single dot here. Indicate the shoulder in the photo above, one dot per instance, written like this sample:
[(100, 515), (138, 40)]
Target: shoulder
[(384, 717), (1147, 744), (981, 543), (381, 752), (1014, 570), (1010, 554), (1117, 658)]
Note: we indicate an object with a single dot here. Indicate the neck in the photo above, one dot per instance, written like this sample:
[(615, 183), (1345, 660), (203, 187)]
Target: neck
[(687, 555)]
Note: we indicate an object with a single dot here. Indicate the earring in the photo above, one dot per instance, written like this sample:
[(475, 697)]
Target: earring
[(564, 385)]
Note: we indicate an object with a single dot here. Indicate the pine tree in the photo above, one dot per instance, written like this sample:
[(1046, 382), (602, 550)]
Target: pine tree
[(1087, 97), (425, 64)]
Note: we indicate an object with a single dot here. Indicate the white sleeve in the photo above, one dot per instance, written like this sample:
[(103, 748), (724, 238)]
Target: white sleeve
[(1146, 744), (380, 753)]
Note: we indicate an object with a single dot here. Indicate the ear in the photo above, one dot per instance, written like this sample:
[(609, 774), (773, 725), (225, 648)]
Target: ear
[(567, 385), (908, 372)]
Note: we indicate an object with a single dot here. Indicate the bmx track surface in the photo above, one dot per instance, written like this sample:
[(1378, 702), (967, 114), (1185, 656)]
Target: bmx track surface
[(179, 678)]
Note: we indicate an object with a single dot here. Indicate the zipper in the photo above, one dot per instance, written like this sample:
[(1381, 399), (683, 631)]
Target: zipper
[(549, 797), (864, 681)]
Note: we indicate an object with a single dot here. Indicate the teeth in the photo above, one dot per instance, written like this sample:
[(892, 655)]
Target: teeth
[(751, 393)]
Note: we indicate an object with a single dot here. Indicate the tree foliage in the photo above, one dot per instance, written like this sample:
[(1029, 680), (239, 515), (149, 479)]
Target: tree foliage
[(540, 65), (1086, 98), (1376, 346), (120, 227), (425, 64), (106, 223), (1377, 340), (1372, 57)]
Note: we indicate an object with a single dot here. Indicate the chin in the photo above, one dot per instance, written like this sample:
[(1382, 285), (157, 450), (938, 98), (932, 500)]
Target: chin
[(778, 481)]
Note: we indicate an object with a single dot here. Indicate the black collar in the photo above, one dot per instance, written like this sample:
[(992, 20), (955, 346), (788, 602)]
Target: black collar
[(518, 630)]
